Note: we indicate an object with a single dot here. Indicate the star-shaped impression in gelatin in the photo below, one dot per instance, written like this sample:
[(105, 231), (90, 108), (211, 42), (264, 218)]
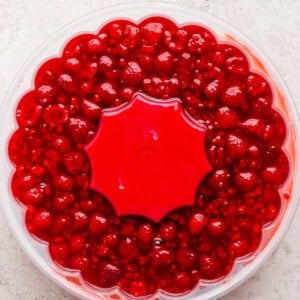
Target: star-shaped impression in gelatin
[(148, 157)]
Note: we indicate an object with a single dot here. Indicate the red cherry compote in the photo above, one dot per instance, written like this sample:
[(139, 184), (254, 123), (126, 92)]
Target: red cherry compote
[(243, 143)]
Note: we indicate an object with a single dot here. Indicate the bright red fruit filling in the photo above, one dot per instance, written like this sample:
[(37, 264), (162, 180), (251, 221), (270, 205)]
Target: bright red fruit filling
[(61, 114)]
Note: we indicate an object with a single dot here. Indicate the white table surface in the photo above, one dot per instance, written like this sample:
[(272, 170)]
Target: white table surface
[(274, 25)]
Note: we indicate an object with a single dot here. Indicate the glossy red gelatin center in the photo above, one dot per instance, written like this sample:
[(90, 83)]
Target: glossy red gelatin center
[(148, 157)]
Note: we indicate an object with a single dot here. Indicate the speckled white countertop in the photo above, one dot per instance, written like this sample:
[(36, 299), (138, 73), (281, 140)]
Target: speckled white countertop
[(274, 25)]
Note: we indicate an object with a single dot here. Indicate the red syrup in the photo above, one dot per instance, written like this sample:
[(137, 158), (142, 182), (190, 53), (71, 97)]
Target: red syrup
[(142, 252)]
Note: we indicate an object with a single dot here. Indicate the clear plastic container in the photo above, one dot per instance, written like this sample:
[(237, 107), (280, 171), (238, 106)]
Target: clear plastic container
[(272, 234)]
